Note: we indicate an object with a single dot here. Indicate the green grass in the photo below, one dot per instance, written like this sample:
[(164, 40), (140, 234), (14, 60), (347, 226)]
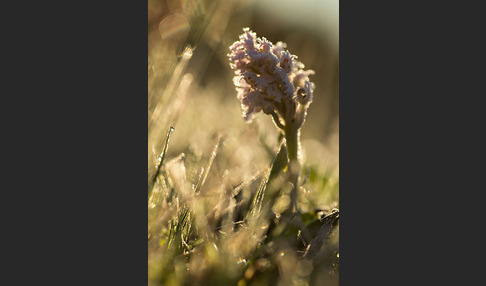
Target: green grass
[(218, 187), (204, 229)]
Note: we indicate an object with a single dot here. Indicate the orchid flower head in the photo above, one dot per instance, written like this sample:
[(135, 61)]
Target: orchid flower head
[(269, 78)]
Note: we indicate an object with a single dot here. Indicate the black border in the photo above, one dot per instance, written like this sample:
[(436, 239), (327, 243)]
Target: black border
[(410, 125), (74, 205)]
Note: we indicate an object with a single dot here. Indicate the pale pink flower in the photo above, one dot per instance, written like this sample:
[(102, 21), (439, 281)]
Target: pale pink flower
[(269, 78)]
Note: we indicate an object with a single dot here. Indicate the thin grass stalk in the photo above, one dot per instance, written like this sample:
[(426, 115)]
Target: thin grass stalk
[(160, 161)]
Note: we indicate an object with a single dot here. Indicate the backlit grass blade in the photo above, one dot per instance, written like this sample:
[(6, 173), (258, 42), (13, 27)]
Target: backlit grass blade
[(160, 161), (205, 172)]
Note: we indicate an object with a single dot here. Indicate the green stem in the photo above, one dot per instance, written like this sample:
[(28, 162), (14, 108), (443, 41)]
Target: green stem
[(292, 143)]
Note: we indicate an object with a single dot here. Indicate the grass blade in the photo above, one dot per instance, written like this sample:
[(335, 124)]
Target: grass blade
[(160, 161), (205, 172), (275, 182), (323, 233)]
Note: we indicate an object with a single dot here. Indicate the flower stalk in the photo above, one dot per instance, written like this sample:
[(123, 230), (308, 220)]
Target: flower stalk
[(270, 79), (292, 144)]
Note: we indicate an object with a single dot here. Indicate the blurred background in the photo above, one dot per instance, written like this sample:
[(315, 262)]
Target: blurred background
[(190, 88), (309, 27)]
